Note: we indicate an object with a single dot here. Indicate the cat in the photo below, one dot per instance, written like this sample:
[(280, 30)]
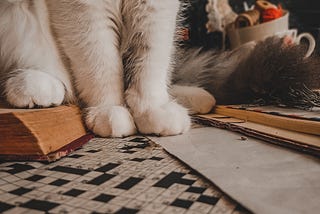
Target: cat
[(112, 57), (120, 62)]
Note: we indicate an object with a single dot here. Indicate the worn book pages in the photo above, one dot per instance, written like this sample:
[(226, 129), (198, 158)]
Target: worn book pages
[(293, 121), (310, 114), (297, 140), (39, 131)]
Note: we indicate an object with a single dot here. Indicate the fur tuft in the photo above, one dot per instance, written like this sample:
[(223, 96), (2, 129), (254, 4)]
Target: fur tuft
[(268, 70)]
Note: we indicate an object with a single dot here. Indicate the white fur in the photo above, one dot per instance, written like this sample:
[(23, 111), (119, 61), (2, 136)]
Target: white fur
[(152, 108), (29, 88), (95, 61), (88, 40), (168, 119), (44, 42), (113, 121), (196, 99), (26, 43)]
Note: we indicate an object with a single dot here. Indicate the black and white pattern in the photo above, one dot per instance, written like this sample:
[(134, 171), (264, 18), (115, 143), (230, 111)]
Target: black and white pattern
[(131, 175)]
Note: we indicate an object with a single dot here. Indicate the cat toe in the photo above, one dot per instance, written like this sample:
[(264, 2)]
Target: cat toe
[(114, 121), (169, 119), (30, 88)]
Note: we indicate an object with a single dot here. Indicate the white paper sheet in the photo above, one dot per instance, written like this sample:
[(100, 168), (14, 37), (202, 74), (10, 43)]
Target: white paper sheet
[(264, 178)]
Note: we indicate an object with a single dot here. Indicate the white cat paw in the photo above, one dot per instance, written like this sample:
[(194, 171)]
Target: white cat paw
[(169, 119), (30, 88), (110, 121)]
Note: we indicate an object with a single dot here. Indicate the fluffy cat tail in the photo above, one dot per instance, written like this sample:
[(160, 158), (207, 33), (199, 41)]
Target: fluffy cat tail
[(269, 71)]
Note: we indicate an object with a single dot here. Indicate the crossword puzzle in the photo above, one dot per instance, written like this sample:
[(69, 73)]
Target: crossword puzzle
[(131, 175)]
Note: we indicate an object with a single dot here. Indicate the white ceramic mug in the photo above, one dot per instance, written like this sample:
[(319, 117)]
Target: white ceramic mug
[(293, 33), (240, 36)]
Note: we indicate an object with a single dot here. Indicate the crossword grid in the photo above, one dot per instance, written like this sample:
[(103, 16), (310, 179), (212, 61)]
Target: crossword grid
[(131, 175)]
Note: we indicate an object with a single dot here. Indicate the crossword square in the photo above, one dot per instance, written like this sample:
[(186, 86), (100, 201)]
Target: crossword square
[(208, 199), (5, 206), (35, 178), (130, 147), (75, 156), (101, 179), (17, 168), (182, 203), (172, 178), (74, 192), (128, 151), (70, 170), (139, 139), (156, 158), (107, 167), (205, 208), (192, 172), (127, 211), (59, 182), (40, 205), (240, 209), (196, 189), (129, 183), (93, 151), (138, 159), (20, 191), (104, 198)]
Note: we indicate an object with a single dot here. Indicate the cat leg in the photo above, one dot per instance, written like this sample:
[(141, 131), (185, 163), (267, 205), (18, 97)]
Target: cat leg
[(32, 73), (195, 99), (151, 28), (90, 38)]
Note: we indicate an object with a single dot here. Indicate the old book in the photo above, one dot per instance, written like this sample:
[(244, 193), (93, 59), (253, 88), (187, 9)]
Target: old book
[(40, 134), (294, 120), (299, 134)]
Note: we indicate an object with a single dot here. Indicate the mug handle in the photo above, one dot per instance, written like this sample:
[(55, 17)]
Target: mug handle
[(312, 42)]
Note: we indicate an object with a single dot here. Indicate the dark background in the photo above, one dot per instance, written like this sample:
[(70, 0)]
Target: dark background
[(304, 15)]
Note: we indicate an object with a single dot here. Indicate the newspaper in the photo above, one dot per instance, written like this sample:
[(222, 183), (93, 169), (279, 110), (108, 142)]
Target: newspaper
[(262, 177)]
